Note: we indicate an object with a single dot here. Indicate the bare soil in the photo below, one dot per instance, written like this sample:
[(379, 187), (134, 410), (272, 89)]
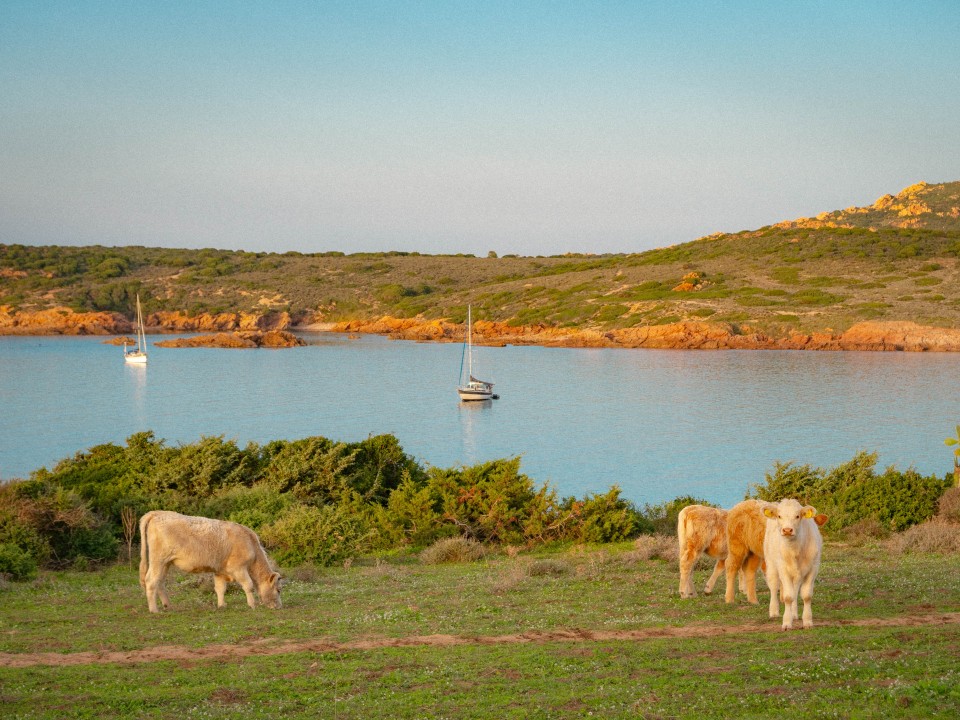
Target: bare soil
[(281, 647)]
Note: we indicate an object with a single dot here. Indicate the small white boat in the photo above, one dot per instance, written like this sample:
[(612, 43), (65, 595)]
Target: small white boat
[(473, 389), (139, 355)]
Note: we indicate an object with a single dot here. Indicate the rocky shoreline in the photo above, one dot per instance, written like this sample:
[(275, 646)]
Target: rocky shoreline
[(865, 336), (687, 335)]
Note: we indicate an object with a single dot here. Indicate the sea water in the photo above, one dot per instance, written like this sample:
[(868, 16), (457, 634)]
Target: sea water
[(657, 423)]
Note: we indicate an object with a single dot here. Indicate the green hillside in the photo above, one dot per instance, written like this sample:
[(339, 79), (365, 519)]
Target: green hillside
[(893, 260)]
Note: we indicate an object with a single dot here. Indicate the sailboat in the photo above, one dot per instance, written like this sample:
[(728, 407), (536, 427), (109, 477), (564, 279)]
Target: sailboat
[(473, 389), (138, 356)]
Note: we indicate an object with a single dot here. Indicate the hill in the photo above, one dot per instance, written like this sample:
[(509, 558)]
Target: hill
[(894, 260)]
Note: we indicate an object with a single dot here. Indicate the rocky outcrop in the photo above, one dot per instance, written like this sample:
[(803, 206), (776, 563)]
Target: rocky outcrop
[(64, 321), (875, 336), (221, 322), (236, 340), (61, 321)]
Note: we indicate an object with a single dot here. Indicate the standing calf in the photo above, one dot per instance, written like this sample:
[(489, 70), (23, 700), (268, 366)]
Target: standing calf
[(701, 529), (792, 549), (230, 551), (745, 530)]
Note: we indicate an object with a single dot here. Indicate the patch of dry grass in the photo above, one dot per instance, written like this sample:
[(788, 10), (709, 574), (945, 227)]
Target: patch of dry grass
[(452, 550), (949, 507), (865, 531), (934, 535), (664, 547)]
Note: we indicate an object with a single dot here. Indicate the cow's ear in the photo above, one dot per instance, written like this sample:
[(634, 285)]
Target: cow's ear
[(770, 511), (821, 519), (275, 579), (809, 511)]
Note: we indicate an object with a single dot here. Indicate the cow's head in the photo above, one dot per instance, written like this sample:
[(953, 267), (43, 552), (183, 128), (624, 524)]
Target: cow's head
[(270, 592), (788, 514)]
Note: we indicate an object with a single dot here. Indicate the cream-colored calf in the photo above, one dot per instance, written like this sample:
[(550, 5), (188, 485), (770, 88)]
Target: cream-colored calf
[(792, 549), (230, 551)]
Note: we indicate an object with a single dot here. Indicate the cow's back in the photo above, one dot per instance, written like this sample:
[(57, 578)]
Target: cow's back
[(746, 526), (198, 544), (703, 528)]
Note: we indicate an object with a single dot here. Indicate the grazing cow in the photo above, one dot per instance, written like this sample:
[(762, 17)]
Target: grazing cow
[(701, 529), (230, 551), (792, 548), (745, 529)]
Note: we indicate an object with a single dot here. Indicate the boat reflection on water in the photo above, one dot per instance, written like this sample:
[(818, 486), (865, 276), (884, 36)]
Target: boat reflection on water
[(470, 414), (138, 392)]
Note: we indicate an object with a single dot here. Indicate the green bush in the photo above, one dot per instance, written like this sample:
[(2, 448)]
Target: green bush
[(492, 502), (254, 507), (323, 535), (853, 491), (16, 563), (662, 519), (602, 518)]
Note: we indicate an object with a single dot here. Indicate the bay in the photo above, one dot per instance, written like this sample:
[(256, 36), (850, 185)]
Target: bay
[(657, 423)]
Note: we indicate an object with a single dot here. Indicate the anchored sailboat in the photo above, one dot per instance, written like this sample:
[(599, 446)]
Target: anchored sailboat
[(138, 356), (473, 389)]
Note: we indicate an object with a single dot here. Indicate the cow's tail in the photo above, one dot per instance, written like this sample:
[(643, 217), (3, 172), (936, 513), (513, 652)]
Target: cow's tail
[(144, 521), (682, 529)]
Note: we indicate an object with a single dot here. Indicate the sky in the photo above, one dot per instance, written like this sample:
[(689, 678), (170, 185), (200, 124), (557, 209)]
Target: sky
[(534, 128)]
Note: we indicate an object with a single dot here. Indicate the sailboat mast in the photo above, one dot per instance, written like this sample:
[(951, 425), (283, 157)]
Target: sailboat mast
[(469, 343)]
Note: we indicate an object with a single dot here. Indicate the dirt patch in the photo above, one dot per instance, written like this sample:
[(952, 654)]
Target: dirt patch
[(181, 654)]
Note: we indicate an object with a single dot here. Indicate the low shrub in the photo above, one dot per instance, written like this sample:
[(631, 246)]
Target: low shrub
[(649, 547), (16, 563), (601, 518), (325, 535), (662, 519), (452, 550), (863, 531), (934, 536), (854, 491), (948, 508), (549, 567)]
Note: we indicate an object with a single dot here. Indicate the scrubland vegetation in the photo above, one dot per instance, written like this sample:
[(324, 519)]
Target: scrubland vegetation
[(316, 501), (895, 260)]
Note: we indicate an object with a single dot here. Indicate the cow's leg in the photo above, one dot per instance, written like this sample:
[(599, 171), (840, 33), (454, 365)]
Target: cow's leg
[(154, 580), (806, 592), (735, 559), (220, 586), (773, 580), (688, 558), (750, 578), (243, 577), (789, 601), (717, 572)]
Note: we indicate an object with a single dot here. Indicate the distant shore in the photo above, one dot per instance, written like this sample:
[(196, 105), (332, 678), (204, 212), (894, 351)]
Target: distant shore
[(685, 335)]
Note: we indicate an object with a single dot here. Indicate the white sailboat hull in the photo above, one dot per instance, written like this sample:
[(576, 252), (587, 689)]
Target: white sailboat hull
[(135, 358), (471, 393)]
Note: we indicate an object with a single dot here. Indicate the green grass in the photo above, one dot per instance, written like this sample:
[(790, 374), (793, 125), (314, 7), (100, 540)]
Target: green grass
[(860, 660)]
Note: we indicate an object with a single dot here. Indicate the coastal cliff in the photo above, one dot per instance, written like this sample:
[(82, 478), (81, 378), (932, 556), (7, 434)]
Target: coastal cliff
[(873, 336), (267, 330), (64, 321)]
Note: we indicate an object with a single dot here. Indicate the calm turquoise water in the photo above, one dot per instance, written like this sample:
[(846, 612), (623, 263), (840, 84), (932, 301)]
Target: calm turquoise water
[(657, 423)]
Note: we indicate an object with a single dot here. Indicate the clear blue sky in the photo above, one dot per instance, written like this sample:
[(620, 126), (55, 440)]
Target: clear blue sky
[(444, 127)]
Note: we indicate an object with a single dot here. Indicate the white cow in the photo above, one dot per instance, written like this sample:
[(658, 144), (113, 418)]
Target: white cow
[(230, 551), (791, 548)]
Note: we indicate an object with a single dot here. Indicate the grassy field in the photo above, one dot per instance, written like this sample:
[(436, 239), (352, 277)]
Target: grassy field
[(894, 260), (568, 632)]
